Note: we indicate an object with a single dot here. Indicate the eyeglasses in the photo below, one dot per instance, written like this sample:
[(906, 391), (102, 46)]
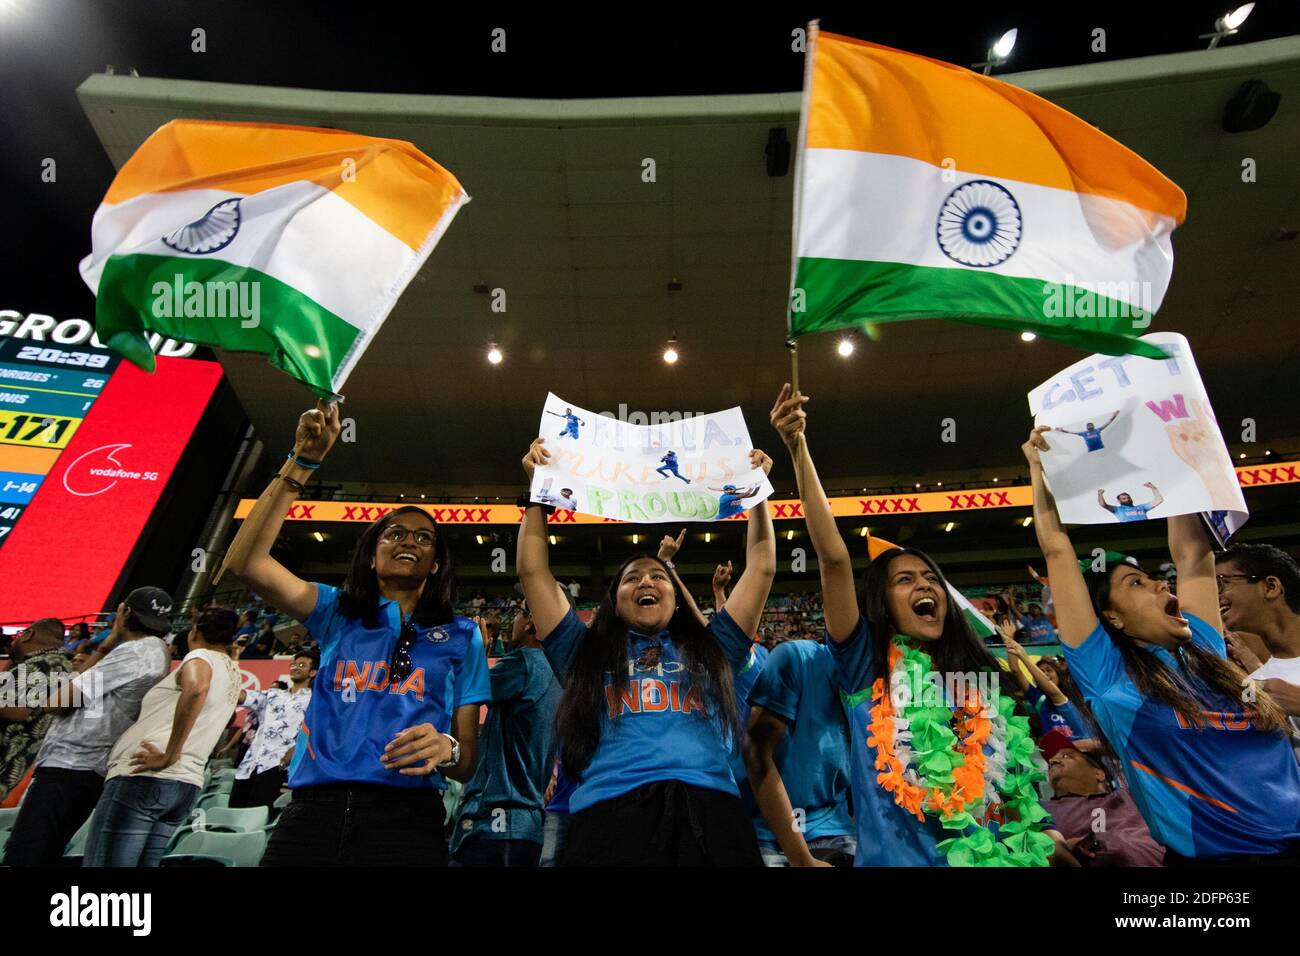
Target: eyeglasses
[(400, 666), (397, 534), (1223, 579)]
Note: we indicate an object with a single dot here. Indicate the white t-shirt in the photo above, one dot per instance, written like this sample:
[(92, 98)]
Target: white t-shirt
[(1287, 669), (159, 709)]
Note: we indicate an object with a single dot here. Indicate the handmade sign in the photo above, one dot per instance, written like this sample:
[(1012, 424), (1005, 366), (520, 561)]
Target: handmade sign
[(689, 468), (1135, 438)]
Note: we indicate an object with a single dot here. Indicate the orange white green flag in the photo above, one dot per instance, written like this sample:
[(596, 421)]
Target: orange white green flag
[(925, 190), (285, 240)]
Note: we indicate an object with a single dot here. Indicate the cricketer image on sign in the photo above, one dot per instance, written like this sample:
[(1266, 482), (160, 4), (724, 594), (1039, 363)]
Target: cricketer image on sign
[(693, 468), (1135, 438)]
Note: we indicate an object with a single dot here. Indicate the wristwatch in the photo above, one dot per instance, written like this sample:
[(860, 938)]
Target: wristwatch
[(668, 563), (455, 752)]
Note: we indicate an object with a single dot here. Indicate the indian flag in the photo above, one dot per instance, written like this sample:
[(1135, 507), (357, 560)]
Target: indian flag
[(285, 240), (925, 190)]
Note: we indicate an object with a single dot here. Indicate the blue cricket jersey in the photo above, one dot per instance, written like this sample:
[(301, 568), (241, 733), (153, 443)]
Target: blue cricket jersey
[(1224, 789), (1093, 440), (356, 710), (744, 681), (1131, 512), (729, 505), (658, 728), (799, 685), (887, 834), (1040, 630), (1053, 717)]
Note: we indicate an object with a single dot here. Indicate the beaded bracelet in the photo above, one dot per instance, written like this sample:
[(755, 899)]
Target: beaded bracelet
[(302, 462)]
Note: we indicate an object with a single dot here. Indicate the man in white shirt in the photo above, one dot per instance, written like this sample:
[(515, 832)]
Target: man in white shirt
[(1259, 593), (93, 711), (264, 769), (155, 770)]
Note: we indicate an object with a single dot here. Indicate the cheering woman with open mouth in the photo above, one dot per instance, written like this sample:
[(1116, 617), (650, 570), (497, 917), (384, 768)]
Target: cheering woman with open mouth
[(649, 709), (395, 703)]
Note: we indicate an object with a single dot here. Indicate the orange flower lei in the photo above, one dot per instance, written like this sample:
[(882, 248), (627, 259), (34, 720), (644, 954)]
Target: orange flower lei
[(972, 730)]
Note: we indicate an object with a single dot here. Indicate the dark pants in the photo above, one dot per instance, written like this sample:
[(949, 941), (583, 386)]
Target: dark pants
[(135, 818), (359, 825), (475, 851), (259, 790), (57, 803), (666, 823)]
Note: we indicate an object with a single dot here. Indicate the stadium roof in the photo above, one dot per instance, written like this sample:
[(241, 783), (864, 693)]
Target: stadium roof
[(585, 249)]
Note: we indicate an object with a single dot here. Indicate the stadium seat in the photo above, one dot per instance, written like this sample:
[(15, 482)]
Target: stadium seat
[(283, 799), (7, 818), (214, 799), (212, 848), (244, 819), (76, 848), (4, 838)]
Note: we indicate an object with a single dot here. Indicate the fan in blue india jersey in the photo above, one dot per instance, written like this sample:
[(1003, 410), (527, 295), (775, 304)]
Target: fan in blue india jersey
[(1125, 509), (395, 704), (902, 613), (1091, 435), (648, 712), (1211, 770)]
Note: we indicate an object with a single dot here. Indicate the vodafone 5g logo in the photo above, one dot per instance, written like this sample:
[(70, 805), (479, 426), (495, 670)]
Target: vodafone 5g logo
[(99, 470)]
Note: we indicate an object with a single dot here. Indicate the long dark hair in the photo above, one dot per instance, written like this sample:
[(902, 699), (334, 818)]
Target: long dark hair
[(359, 597), (957, 650), (1158, 681), (605, 649)]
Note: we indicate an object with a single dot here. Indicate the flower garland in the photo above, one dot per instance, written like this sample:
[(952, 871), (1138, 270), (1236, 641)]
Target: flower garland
[(932, 760)]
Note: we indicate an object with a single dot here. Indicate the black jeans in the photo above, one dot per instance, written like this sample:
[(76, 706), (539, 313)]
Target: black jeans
[(357, 824), (666, 823), (474, 851), (58, 802), (259, 790)]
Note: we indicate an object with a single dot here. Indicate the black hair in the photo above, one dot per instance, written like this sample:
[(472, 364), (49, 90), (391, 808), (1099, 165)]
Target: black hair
[(359, 596), (1174, 686), (217, 624), (312, 654), (137, 626), (957, 650), (604, 650), (1266, 561)]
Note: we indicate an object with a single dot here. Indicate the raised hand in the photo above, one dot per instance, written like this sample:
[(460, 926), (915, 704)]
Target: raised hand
[(317, 430), (722, 576), (536, 455), (1035, 444), (787, 415), (669, 546), (760, 459)]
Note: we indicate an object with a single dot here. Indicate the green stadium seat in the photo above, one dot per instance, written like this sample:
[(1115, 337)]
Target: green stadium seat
[(244, 819), (7, 818), (214, 799), (213, 848), (4, 838), (283, 799), (76, 848)]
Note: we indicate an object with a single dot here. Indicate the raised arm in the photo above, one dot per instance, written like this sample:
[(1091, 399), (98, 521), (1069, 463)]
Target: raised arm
[(721, 578), (839, 599), (765, 732), (1041, 680), (668, 549), (749, 595), (1007, 631), (1101, 500), (1074, 616), (249, 555), (1109, 421), (1198, 590), (1157, 499), (532, 556)]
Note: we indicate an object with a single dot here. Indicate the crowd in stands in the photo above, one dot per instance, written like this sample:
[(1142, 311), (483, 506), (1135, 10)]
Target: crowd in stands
[(863, 724)]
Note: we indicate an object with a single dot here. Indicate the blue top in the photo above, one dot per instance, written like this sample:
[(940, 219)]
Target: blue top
[(1130, 512), (564, 788), (1092, 438), (1226, 788), (887, 834), (1064, 717), (728, 505), (1040, 630), (658, 728), (516, 752), (744, 681), (799, 685), (355, 711)]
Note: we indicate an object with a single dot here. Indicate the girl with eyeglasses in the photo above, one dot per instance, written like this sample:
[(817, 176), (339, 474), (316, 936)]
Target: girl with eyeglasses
[(1204, 749), (649, 706), (395, 702)]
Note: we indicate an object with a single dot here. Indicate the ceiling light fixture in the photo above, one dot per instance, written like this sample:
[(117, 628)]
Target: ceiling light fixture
[(999, 52), (670, 353), (494, 354), (1027, 336), (949, 526), (1227, 25), (845, 348), (318, 536)]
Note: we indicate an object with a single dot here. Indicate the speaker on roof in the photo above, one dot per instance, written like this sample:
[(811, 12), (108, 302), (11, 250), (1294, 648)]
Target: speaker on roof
[(1250, 108)]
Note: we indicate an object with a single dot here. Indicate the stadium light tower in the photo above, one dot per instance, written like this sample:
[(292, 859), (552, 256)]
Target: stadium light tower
[(1228, 24), (999, 52)]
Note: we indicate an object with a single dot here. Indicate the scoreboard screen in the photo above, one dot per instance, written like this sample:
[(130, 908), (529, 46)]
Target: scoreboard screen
[(46, 392), (87, 444)]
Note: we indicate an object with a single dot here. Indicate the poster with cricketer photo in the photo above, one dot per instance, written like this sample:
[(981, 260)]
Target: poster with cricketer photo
[(689, 468), (1135, 439)]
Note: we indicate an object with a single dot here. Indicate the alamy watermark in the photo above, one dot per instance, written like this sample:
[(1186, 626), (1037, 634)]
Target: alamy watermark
[(208, 300)]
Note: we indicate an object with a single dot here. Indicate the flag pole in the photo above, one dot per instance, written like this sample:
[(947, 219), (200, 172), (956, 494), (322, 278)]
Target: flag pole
[(793, 346)]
